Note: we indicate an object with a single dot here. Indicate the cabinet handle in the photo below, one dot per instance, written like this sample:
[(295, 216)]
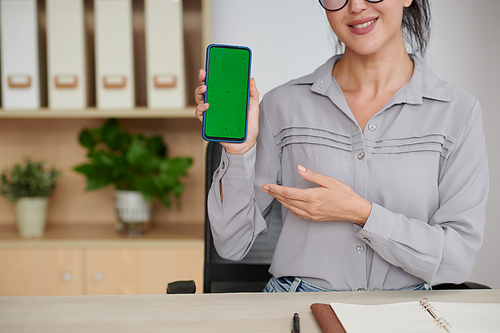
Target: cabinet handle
[(114, 81), (65, 81), (19, 81), (98, 277), (68, 277), (165, 81)]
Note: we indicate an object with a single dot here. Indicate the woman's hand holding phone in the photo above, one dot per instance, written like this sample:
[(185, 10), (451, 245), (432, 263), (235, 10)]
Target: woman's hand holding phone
[(253, 115)]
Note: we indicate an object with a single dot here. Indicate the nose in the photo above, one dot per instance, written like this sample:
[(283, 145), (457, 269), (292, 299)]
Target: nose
[(356, 6)]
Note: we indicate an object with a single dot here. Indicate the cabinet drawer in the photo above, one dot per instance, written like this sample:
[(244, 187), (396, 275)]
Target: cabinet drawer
[(122, 271), (40, 272)]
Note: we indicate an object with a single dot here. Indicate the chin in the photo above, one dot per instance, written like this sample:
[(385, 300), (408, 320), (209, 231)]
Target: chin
[(364, 50)]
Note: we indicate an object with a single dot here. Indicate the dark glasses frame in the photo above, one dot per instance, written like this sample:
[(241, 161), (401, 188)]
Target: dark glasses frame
[(345, 3)]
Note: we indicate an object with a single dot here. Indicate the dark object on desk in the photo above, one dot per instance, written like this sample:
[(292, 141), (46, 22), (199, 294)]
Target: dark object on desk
[(296, 323), (465, 285), (181, 287), (252, 272), (326, 318)]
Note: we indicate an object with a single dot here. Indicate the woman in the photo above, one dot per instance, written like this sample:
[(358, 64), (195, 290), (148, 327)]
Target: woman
[(380, 166)]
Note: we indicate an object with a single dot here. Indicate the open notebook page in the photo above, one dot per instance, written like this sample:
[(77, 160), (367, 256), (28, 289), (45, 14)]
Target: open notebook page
[(409, 317)]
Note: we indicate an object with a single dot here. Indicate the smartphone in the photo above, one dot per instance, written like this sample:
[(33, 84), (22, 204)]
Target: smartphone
[(227, 80)]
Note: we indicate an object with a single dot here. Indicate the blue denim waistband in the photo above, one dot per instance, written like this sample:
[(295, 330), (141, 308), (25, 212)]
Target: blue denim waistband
[(295, 284)]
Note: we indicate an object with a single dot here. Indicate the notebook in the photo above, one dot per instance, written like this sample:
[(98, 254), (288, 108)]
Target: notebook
[(419, 317)]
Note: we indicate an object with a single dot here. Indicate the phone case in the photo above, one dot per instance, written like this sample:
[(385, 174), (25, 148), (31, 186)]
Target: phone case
[(228, 70)]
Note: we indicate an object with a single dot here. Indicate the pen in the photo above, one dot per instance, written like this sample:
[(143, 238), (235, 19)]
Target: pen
[(296, 323)]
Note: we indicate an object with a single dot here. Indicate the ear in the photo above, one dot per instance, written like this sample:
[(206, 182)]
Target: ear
[(407, 3)]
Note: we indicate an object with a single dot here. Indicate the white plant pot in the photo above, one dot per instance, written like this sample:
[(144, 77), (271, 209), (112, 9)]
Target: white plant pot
[(31, 215), (133, 212)]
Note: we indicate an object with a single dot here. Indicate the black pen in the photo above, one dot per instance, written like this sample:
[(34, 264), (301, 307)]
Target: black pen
[(296, 323)]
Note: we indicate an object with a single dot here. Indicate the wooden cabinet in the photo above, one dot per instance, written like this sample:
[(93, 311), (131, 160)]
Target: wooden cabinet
[(95, 261), (124, 271), (40, 271), (100, 271)]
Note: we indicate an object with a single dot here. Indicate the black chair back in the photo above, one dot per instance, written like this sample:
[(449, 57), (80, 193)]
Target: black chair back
[(251, 273)]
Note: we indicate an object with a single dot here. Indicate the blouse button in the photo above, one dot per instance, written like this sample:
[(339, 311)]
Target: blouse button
[(360, 248), (361, 156), (361, 289), (366, 240), (223, 165), (372, 127)]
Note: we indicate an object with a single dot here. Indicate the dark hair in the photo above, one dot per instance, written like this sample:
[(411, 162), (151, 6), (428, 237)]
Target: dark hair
[(416, 26)]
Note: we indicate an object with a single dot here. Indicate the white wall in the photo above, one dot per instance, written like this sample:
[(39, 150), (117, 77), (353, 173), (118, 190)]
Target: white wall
[(288, 38), (465, 50), (291, 38)]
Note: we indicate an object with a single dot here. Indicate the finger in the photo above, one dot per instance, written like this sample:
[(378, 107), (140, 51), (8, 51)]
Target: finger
[(313, 176), (300, 212), (254, 93), (295, 196), (199, 94), (201, 76), (200, 109)]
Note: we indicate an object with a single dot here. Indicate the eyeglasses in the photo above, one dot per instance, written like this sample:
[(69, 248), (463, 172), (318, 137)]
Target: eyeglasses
[(334, 5)]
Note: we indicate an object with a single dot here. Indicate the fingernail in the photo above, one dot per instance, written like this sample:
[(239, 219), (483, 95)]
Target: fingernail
[(301, 168), (265, 188)]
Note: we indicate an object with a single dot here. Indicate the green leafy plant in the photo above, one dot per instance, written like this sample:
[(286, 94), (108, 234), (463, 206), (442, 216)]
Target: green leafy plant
[(28, 179), (131, 162)]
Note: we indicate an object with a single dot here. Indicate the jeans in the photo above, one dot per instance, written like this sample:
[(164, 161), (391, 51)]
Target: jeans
[(295, 284)]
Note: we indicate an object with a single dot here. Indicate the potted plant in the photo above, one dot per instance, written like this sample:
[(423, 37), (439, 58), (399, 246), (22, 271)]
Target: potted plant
[(139, 169), (28, 186)]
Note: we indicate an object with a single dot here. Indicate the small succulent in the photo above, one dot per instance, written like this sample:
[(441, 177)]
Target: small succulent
[(28, 179)]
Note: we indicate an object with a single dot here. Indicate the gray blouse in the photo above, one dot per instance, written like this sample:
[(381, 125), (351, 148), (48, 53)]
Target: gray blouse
[(421, 161)]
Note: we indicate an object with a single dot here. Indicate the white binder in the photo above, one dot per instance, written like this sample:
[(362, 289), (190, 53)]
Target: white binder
[(67, 86), (164, 54), (19, 54), (114, 54)]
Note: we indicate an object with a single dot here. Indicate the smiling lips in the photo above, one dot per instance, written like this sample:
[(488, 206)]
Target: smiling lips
[(363, 26)]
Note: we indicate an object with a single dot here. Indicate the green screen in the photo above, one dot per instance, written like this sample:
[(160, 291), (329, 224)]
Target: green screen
[(227, 93)]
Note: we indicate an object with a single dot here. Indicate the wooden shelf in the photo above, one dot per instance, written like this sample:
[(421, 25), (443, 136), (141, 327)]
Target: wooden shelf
[(104, 236), (139, 112), (80, 241)]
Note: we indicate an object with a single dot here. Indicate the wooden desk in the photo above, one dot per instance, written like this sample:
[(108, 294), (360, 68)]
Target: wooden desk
[(196, 312)]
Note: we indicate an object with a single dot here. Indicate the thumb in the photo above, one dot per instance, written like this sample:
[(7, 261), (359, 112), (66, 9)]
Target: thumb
[(312, 176)]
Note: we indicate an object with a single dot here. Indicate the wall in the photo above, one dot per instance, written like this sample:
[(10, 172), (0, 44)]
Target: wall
[(288, 38), (292, 38), (465, 50)]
